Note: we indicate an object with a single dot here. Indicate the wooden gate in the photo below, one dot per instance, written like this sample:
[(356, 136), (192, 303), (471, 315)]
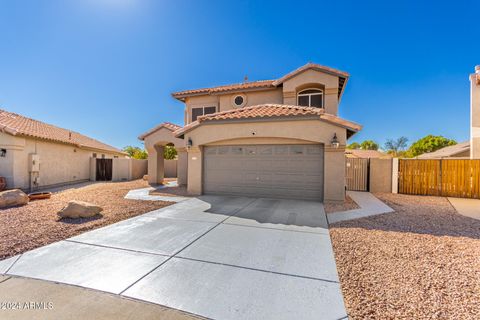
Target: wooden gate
[(104, 169), (440, 177), (356, 174)]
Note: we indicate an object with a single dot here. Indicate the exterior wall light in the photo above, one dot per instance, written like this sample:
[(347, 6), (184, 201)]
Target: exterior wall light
[(335, 143), (189, 143), (3, 152)]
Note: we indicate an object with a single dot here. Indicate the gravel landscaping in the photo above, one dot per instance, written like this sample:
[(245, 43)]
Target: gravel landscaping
[(332, 207), (37, 224), (422, 262)]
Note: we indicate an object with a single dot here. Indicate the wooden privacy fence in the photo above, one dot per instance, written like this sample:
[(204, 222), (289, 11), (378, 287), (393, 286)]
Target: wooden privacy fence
[(440, 177), (356, 174)]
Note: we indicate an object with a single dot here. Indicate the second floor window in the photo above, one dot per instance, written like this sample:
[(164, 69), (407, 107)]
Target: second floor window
[(196, 112), (310, 98)]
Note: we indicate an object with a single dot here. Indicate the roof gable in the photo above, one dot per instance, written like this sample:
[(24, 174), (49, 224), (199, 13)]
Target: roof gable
[(311, 66), (167, 125)]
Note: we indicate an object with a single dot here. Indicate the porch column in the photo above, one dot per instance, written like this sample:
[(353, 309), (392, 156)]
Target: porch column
[(334, 174), (475, 114), (155, 165), (195, 171), (182, 166)]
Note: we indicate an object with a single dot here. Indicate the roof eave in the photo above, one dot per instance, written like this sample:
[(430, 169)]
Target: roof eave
[(182, 97)]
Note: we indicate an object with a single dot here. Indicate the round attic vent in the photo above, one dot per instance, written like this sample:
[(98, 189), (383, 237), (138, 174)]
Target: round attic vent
[(239, 100)]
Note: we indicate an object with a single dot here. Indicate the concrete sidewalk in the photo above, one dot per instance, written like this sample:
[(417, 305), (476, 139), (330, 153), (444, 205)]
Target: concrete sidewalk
[(466, 207), (369, 206), (37, 299)]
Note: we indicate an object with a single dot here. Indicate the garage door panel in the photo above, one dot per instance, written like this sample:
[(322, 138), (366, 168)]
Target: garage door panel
[(277, 171)]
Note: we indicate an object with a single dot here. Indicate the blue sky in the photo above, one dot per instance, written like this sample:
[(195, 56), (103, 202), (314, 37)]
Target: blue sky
[(106, 68)]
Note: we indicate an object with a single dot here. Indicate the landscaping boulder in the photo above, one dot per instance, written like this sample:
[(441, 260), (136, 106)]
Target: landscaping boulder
[(79, 209), (145, 177), (14, 197)]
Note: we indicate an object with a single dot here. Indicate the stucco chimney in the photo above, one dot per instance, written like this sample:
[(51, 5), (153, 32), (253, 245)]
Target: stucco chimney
[(475, 114)]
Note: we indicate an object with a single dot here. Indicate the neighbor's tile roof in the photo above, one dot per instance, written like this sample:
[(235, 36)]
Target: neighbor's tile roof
[(359, 153), (168, 125), (446, 152), (19, 125), (265, 84), (270, 111)]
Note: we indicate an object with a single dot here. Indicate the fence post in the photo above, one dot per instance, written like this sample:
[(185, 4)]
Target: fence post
[(395, 175)]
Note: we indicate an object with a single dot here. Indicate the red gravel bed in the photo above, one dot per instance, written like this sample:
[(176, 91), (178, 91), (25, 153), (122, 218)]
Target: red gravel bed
[(422, 262), (348, 204), (37, 224)]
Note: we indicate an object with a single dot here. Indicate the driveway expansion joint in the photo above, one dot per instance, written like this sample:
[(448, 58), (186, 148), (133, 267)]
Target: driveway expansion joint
[(175, 254), (115, 248), (18, 258), (260, 270)]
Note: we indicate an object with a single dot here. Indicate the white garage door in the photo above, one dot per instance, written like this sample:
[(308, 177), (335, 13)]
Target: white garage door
[(275, 171)]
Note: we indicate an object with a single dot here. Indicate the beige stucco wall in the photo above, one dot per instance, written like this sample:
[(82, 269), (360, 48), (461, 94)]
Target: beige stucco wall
[(59, 163), (224, 102), (475, 115), (272, 132), (121, 170), (171, 168), (285, 94), (139, 168), (182, 166), (380, 179), (334, 174), (313, 79), (128, 169)]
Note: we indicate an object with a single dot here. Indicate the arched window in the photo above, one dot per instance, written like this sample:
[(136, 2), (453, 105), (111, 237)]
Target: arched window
[(310, 98)]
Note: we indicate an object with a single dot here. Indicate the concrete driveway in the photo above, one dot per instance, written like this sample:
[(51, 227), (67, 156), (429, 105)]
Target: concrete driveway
[(217, 257)]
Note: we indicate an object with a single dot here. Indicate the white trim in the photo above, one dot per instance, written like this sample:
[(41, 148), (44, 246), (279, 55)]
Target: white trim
[(309, 95)]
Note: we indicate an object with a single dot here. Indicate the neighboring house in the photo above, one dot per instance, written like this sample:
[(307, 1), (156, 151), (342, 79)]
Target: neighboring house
[(459, 150), (277, 138), (475, 114), (34, 154), (366, 154)]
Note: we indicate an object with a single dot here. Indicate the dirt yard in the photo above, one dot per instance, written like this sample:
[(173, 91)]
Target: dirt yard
[(37, 224), (422, 262)]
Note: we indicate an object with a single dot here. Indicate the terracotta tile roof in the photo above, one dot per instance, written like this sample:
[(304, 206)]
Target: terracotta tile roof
[(168, 125), (366, 154), (225, 88), (265, 84), (269, 111), (19, 125), (262, 111)]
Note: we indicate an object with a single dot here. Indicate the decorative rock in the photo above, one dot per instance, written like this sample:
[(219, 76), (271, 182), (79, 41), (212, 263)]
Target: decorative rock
[(145, 177), (14, 197), (79, 209)]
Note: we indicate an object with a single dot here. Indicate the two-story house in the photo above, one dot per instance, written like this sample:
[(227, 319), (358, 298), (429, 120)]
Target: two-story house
[(274, 138)]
